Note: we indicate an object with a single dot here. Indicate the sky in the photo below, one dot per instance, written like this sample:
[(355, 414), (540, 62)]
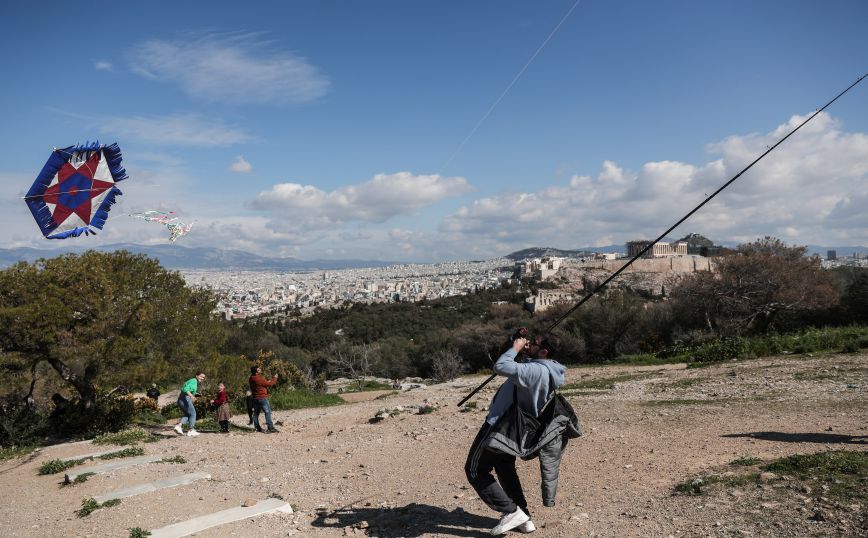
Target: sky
[(430, 131)]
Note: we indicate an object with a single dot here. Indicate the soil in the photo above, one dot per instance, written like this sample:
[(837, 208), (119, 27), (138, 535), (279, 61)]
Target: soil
[(646, 431)]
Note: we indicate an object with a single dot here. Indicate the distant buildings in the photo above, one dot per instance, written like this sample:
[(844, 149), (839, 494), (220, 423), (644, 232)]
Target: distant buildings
[(658, 250), (538, 268)]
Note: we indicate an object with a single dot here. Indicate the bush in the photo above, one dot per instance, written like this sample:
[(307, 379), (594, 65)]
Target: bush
[(125, 437), (284, 399), (109, 413), (21, 424)]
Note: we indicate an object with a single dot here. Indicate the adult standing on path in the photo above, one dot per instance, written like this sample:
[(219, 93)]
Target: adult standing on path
[(531, 386), (259, 389), (185, 402)]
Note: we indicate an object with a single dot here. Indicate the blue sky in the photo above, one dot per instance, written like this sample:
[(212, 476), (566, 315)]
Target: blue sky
[(340, 129)]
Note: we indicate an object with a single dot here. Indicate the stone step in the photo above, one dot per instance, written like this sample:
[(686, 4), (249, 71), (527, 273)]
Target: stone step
[(122, 463), (139, 489), (92, 455), (201, 523)]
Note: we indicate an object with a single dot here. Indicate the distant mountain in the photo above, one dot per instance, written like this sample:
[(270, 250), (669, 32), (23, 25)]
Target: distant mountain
[(178, 257), (540, 252)]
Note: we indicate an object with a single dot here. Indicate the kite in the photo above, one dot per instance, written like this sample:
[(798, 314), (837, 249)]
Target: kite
[(175, 226), (76, 188)]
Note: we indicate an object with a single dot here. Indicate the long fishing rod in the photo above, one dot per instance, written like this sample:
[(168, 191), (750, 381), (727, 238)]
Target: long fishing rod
[(638, 255)]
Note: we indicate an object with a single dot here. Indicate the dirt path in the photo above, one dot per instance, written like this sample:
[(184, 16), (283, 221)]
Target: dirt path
[(646, 429)]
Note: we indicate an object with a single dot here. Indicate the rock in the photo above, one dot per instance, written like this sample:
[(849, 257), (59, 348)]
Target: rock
[(248, 502), (768, 476), (819, 515), (770, 505)]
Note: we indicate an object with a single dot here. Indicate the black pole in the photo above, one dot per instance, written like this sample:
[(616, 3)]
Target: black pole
[(593, 292)]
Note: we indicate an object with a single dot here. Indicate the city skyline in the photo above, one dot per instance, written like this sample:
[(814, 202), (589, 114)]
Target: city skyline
[(446, 131)]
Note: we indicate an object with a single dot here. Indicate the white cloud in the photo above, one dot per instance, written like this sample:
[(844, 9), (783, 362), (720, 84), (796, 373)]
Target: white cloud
[(182, 130), (102, 65), (231, 68), (240, 165), (812, 189), (377, 200)]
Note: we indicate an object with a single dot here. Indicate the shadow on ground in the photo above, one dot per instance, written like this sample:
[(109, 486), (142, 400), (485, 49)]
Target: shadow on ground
[(408, 521), (825, 438)]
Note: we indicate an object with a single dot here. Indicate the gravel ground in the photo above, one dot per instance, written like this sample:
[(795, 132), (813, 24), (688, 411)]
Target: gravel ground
[(403, 476)]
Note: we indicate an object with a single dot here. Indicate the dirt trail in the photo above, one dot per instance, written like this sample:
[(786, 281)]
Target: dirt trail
[(645, 431)]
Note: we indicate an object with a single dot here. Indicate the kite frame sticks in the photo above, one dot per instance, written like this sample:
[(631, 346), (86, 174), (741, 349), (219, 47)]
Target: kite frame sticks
[(638, 255)]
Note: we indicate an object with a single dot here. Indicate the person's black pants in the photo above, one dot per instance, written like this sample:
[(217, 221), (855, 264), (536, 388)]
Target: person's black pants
[(503, 496)]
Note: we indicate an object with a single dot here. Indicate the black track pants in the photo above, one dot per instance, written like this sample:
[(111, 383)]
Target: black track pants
[(505, 496)]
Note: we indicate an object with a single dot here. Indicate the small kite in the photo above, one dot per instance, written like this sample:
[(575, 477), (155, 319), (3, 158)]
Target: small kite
[(175, 226), (76, 188)]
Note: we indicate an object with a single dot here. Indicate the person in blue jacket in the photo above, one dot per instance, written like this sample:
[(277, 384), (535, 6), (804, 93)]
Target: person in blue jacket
[(533, 383)]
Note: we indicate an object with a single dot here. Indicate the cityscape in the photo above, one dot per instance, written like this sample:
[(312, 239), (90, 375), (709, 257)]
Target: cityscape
[(244, 293), (250, 293)]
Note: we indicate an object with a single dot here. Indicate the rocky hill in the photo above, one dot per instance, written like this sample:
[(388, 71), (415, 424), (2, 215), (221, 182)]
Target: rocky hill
[(667, 451)]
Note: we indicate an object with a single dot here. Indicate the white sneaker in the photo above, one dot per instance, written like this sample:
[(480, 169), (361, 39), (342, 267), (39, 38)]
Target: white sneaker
[(510, 521), (527, 527), (192, 433), (179, 430)]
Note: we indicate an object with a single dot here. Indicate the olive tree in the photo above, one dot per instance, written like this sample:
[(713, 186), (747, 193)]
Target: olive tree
[(748, 290), (105, 318)]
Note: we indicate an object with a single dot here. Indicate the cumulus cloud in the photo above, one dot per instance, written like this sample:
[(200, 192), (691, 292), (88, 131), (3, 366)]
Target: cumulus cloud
[(812, 189), (231, 68), (376, 200), (102, 65), (240, 165), (182, 130)]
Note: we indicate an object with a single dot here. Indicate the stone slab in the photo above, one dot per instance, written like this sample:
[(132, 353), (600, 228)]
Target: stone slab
[(201, 523), (164, 483), (92, 455), (102, 468)]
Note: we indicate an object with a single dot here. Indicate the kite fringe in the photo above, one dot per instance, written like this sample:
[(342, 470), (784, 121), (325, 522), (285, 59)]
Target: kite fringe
[(59, 156), (113, 159), (72, 233), (101, 215)]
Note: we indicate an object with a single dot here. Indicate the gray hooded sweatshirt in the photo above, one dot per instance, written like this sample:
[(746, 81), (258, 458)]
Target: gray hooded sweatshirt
[(534, 380)]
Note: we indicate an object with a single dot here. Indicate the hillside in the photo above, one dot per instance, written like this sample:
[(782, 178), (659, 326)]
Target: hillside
[(647, 429)]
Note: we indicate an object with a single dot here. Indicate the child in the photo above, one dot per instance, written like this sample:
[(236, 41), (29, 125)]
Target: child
[(248, 402), (222, 404)]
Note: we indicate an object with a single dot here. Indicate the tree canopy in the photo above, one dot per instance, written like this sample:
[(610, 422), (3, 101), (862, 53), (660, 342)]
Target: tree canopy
[(101, 319), (752, 287)]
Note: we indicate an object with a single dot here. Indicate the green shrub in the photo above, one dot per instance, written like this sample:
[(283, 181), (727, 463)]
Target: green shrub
[(58, 466), (89, 505), (138, 532), (125, 453), (284, 399), (746, 461), (130, 436), (15, 451), (21, 424)]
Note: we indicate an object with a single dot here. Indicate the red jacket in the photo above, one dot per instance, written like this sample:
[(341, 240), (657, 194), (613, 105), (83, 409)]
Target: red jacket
[(220, 399), (259, 386)]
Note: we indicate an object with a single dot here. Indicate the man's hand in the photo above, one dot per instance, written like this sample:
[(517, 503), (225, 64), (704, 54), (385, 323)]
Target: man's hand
[(518, 344)]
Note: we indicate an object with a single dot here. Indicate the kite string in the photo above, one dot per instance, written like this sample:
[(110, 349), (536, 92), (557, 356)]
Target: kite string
[(58, 194), (508, 87)]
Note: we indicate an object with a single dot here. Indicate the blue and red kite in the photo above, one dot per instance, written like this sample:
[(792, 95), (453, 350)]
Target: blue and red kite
[(75, 190)]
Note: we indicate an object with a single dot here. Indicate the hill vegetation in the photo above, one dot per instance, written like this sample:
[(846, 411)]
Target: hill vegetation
[(77, 331)]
